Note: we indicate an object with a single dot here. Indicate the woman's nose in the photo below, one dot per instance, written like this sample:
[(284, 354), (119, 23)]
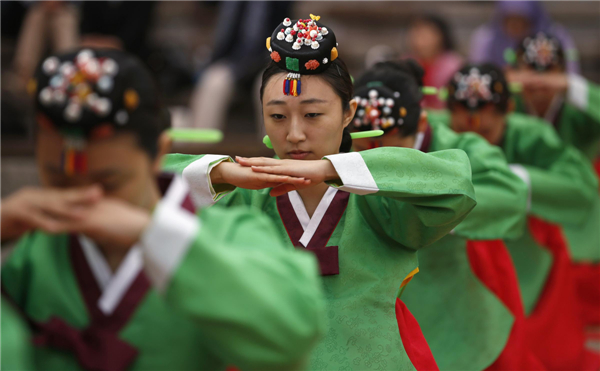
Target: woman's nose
[(296, 133)]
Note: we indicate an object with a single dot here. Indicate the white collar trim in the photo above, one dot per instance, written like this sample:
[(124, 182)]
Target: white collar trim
[(310, 225), (113, 286)]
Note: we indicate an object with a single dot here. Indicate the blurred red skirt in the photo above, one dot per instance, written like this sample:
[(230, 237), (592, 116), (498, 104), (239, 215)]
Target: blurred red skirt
[(414, 342), (554, 328), (587, 280), (492, 264)]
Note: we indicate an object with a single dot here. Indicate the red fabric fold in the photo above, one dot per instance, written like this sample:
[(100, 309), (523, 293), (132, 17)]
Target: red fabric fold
[(554, 328), (492, 264), (587, 281), (414, 342)]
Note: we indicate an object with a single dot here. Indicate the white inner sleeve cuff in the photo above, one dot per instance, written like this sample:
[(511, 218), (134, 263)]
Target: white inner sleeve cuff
[(577, 93), (522, 173), (197, 175), (354, 173), (166, 241)]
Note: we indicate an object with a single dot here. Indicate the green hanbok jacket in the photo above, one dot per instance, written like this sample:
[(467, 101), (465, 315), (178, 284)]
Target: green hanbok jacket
[(465, 324), (366, 231), (16, 353), (576, 118), (562, 189), (198, 292)]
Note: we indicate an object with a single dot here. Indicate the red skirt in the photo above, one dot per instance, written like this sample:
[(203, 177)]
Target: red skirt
[(414, 342), (587, 281), (554, 328), (492, 264)]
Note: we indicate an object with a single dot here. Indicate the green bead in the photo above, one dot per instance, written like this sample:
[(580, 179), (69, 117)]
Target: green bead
[(292, 64)]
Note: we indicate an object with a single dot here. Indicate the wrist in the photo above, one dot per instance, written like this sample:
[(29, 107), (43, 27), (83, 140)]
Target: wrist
[(216, 174), (329, 169)]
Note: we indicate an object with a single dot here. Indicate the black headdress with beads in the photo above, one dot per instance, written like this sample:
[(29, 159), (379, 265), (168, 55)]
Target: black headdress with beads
[(541, 51), (301, 47), (475, 86), (91, 94)]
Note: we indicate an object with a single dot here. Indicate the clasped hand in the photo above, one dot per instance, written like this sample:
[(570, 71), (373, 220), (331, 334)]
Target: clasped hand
[(281, 175), (109, 221)]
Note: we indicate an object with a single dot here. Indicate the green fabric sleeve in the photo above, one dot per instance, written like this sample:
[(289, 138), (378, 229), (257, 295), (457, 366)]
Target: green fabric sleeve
[(258, 302), (17, 350), (17, 270), (416, 197), (501, 209), (563, 183)]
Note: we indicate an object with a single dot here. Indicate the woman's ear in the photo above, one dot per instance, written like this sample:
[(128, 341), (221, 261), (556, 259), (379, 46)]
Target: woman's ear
[(164, 146), (349, 113)]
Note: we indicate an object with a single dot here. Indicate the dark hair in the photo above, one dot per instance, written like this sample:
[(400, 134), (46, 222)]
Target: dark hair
[(146, 120), (404, 77), (442, 27), (338, 77), (501, 95)]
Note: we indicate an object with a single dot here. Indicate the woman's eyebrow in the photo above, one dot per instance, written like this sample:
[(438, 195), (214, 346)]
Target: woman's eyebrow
[(275, 102), (313, 101)]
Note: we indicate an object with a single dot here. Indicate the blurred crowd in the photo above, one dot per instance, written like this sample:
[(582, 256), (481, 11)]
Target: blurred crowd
[(222, 79)]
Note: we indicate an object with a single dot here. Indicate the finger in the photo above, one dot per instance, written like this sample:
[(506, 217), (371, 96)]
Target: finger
[(271, 178), (257, 161), (84, 195), (60, 209), (46, 223)]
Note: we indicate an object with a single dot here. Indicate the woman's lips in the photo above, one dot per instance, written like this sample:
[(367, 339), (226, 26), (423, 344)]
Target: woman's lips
[(298, 155)]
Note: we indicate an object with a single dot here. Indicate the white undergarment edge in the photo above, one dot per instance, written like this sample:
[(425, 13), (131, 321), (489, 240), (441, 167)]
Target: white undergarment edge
[(317, 217), (419, 140), (522, 173), (354, 173), (299, 209), (577, 93), (113, 287), (197, 175), (168, 237)]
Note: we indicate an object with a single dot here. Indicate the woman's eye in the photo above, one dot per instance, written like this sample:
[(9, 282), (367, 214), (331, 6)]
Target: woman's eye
[(277, 116), (313, 115)]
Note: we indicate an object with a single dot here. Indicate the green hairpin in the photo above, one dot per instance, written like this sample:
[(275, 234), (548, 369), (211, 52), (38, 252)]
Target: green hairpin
[(429, 90), (196, 135), (510, 57), (357, 135), (515, 87), (443, 94)]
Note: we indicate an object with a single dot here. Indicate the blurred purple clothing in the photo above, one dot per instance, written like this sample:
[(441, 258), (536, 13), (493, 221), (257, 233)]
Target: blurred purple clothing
[(489, 41)]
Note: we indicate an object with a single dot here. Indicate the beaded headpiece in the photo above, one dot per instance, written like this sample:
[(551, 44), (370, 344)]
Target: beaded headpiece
[(89, 95), (301, 47)]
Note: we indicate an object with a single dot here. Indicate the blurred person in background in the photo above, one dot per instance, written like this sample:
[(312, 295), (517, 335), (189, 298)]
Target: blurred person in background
[(562, 190), (48, 25), (466, 296), (237, 59), (111, 248), (431, 43), (514, 20), (122, 25), (571, 105)]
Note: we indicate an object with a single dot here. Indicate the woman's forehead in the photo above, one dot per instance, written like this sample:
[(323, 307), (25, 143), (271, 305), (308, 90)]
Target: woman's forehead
[(313, 87)]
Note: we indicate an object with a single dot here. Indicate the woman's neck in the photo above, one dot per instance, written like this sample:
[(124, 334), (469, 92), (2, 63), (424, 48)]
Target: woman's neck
[(114, 257), (311, 197)]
